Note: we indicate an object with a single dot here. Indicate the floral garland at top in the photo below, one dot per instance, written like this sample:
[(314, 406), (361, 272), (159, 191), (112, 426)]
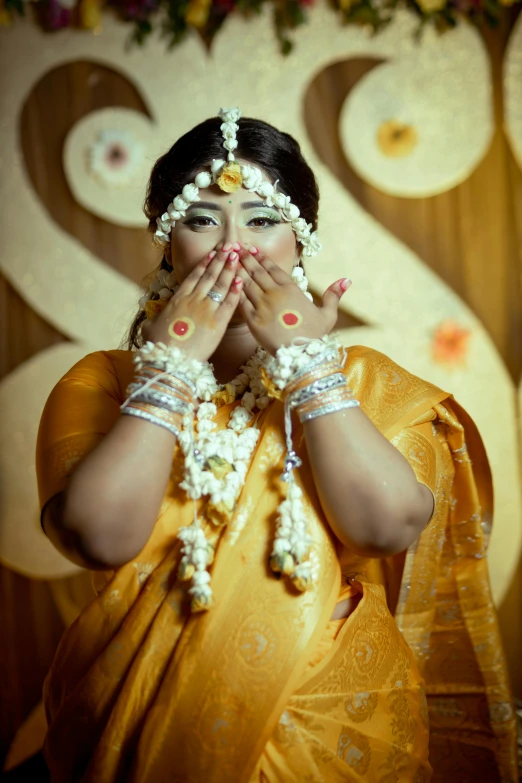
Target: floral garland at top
[(176, 17), (230, 176)]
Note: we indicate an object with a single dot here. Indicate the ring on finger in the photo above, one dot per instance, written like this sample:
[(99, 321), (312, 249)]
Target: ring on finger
[(215, 296)]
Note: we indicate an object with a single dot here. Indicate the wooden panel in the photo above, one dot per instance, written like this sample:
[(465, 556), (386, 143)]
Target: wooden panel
[(469, 235)]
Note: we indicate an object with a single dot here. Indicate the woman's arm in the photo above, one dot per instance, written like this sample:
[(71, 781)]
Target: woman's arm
[(106, 514), (368, 491)]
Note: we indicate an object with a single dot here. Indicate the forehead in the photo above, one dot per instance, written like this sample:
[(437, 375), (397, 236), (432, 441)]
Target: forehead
[(215, 197)]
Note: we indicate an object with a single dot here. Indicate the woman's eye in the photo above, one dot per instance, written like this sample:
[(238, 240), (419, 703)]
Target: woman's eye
[(201, 222), (262, 222)]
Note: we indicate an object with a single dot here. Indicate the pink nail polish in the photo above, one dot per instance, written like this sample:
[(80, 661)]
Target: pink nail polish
[(233, 256), (237, 281), (211, 255), (227, 247), (236, 246), (345, 284), (253, 250)]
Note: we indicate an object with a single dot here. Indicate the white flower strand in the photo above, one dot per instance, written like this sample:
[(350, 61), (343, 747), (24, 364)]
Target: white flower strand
[(164, 286), (253, 181), (215, 463), (172, 360), (302, 355), (292, 544)]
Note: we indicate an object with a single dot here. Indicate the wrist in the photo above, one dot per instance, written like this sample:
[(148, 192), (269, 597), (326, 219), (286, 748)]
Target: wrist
[(181, 364), (310, 378)]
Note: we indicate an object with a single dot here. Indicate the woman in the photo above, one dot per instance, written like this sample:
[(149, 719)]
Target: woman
[(245, 536)]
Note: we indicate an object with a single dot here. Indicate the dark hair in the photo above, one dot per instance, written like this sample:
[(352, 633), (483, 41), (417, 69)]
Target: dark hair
[(259, 143)]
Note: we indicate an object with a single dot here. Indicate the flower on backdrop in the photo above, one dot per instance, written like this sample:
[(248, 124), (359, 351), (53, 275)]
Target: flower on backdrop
[(450, 343), (430, 6), (136, 10), (115, 157), (56, 15), (174, 18), (90, 14), (198, 12), (396, 139)]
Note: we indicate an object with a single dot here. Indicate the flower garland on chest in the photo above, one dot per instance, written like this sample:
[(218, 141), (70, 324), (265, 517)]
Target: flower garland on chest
[(183, 395)]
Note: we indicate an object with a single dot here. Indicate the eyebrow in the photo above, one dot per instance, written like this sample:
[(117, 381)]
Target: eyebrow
[(217, 208)]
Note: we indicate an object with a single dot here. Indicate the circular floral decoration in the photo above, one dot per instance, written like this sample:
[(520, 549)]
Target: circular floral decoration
[(115, 158), (450, 343), (396, 139)]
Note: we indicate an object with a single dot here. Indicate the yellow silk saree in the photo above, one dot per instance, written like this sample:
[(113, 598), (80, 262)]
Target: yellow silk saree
[(264, 686)]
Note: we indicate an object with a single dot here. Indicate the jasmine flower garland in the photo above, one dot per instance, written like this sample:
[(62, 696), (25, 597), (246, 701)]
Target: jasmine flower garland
[(216, 463)]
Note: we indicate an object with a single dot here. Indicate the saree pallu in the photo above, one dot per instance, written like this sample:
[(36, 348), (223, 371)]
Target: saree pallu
[(264, 686)]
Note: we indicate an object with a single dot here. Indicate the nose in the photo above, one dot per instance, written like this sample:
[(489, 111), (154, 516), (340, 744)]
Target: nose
[(232, 233)]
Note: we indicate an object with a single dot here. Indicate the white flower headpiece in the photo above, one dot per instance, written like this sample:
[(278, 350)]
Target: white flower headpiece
[(230, 176)]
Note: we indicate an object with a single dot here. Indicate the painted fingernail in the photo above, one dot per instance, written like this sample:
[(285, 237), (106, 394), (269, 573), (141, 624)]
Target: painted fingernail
[(345, 284), (211, 255), (253, 250), (233, 256), (236, 246), (227, 247), (237, 281)]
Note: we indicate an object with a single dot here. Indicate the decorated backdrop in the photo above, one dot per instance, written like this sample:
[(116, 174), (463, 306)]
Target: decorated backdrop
[(417, 144)]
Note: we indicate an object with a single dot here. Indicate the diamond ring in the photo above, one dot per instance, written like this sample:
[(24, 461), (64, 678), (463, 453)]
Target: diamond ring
[(215, 296)]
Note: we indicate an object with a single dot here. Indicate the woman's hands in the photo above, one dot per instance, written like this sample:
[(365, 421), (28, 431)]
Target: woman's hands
[(192, 320), (276, 310)]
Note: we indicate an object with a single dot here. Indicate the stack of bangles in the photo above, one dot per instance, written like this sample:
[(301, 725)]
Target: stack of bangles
[(160, 398), (318, 390)]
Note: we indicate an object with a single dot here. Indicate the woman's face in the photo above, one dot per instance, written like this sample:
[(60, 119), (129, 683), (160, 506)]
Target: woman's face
[(230, 217)]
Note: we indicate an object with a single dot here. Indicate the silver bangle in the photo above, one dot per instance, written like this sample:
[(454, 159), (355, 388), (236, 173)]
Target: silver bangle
[(151, 418), (145, 373), (323, 358), (167, 401), (319, 386), (331, 407)]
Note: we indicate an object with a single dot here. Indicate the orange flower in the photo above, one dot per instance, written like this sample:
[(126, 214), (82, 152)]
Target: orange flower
[(197, 12), (90, 14), (450, 343), (6, 18), (230, 178), (396, 139), (154, 307)]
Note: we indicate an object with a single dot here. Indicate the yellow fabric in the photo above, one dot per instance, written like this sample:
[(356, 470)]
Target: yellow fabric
[(265, 687)]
